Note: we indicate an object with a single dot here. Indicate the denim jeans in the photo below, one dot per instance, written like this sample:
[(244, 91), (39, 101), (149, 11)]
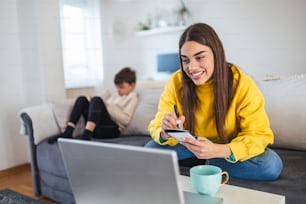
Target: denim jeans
[(264, 167)]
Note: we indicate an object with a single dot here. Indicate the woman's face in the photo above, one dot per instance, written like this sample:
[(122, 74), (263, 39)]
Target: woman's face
[(197, 61)]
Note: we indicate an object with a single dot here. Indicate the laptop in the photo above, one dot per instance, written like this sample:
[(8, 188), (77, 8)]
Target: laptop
[(122, 174)]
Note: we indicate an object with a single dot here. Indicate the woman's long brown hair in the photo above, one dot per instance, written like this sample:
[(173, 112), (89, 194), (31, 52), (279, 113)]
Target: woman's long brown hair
[(222, 78)]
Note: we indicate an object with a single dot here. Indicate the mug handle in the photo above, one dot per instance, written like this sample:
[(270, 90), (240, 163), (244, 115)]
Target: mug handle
[(226, 177)]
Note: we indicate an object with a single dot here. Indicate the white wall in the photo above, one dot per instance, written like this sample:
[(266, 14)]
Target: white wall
[(262, 37), (30, 68), (12, 146), (39, 26), (120, 45)]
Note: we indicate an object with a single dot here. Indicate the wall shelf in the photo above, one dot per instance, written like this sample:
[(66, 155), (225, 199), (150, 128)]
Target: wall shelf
[(157, 31)]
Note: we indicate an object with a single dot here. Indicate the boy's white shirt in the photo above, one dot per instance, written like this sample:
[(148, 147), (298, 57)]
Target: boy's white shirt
[(121, 108)]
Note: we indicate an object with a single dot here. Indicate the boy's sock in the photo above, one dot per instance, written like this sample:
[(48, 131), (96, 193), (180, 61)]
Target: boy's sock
[(87, 135), (66, 134), (52, 139)]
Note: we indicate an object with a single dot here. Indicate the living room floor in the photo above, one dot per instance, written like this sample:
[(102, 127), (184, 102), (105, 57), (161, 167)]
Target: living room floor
[(19, 179)]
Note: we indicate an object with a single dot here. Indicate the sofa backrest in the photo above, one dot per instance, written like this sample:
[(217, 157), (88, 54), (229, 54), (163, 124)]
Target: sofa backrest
[(285, 103), (62, 110), (145, 111)]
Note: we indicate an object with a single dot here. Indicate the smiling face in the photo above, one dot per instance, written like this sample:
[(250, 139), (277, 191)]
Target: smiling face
[(197, 62)]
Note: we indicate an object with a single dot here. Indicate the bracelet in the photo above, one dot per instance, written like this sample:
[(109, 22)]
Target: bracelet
[(231, 157), (161, 139)]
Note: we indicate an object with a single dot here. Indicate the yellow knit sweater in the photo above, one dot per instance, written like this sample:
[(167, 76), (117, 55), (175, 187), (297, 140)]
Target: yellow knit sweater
[(247, 124)]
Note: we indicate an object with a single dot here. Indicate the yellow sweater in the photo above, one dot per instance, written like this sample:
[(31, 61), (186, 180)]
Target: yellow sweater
[(247, 123)]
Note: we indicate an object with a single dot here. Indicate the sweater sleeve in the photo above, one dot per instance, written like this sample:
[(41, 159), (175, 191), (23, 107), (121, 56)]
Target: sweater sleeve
[(122, 109), (167, 99), (254, 133)]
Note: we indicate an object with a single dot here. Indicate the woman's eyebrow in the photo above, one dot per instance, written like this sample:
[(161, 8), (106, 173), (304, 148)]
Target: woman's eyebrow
[(199, 53), (195, 53)]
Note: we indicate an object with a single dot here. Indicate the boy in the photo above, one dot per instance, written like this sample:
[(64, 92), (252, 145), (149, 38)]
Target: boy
[(105, 119)]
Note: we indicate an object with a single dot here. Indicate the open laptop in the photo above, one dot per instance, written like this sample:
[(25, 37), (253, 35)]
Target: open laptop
[(121, 174)]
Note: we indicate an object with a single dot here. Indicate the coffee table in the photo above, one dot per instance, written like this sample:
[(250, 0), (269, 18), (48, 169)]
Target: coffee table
[(238, 195)]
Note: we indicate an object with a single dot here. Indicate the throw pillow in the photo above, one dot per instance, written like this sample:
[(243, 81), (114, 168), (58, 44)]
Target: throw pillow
[(144, 113)]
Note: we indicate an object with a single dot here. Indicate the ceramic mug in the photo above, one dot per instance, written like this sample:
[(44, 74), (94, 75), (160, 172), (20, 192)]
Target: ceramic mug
[(207, 179)]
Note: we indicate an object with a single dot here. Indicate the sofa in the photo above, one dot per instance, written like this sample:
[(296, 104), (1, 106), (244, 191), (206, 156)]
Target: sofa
[(285, 99)]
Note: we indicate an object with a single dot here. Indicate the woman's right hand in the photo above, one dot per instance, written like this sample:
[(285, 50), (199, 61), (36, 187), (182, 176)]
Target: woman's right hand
[(171, 121)]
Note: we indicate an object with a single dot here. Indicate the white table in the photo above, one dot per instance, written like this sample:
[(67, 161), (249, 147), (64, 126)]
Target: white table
[(238, 195)]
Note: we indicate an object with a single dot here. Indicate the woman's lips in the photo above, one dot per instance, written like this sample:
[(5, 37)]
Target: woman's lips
[(197, 75)]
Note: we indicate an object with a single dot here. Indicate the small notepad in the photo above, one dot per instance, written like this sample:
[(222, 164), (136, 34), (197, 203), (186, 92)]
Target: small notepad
[(179, 134)]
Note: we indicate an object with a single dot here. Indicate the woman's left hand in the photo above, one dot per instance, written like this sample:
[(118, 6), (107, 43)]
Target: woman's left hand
[(203, 148)]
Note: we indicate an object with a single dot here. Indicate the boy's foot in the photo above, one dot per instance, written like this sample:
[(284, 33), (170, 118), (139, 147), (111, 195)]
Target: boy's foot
[(53, 139), (87, 135), (84, 138), (66, 134)]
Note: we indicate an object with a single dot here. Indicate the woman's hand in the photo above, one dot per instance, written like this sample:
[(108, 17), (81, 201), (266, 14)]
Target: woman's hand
[(203, 148), (171, 121)]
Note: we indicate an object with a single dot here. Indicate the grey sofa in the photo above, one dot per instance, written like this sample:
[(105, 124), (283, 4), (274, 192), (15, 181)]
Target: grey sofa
[(285, 105)]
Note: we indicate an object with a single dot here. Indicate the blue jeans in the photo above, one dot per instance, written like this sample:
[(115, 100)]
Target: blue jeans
[(264, 167)]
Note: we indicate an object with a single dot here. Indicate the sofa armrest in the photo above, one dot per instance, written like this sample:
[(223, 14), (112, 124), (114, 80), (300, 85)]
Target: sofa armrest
[(27, 127), (43, 122), (38, 123)]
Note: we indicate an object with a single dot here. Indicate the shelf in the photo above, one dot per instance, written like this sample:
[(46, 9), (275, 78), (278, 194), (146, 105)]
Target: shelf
[(157, 31)]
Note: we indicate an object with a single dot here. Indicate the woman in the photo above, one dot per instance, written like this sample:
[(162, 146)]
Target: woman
[(220, 105)]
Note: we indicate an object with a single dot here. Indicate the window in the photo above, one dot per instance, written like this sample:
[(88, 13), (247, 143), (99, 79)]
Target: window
[(81, 43)]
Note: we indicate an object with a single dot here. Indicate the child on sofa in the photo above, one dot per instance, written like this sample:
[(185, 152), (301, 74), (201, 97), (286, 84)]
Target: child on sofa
[(105, 118)]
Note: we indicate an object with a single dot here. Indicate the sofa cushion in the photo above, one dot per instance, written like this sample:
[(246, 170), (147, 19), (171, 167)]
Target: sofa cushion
[(134, 140), (145, 111), (285, 105)]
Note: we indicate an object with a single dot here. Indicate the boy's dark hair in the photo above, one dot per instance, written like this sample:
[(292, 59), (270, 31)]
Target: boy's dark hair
[(126, 74)]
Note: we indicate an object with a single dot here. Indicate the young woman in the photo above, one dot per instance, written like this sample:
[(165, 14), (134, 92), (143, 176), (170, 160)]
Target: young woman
[(105, 119), (217, 102)]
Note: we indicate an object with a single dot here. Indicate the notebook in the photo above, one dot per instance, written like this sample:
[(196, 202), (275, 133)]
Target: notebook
[(122, 174), (179, 134)]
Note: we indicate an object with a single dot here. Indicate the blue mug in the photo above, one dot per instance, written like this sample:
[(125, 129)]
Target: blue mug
[(207, 179)]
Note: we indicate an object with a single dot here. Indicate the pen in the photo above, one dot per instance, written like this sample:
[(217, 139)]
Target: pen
[(176, 113), (175, 110)]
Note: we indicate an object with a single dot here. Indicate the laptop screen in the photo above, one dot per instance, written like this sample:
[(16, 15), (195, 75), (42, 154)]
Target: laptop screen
[(112, 173), (121, 174)]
